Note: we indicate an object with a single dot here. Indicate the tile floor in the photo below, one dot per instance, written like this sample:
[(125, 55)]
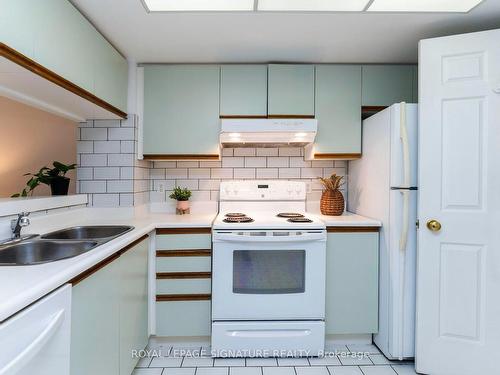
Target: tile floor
[(194, 359)]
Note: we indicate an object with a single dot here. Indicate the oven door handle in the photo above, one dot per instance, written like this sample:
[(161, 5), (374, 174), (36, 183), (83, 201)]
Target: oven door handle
[(306, 237)]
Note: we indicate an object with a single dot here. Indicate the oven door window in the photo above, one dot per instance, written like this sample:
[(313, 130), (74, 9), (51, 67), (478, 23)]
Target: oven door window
[(269, 271)]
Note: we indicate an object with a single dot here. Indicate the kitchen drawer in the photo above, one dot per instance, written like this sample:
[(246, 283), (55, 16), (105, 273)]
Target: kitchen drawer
[(183, 241), (183, 318), (184, 286), (183, 264)]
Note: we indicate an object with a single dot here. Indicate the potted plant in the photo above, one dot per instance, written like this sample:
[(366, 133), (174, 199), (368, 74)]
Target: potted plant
[(54, 177), (181, 195), (332, 201)]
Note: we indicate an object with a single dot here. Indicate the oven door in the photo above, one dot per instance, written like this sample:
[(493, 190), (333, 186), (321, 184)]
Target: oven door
[(268, 275)]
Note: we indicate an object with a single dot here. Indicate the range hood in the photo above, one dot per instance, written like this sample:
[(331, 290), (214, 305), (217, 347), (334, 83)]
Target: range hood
[(267, 132)]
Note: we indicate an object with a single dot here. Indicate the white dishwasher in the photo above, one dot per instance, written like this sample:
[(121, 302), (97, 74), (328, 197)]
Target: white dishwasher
[(37, 339)]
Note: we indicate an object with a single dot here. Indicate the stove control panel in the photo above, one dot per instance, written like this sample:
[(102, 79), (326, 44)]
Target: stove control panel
[(263, 190)]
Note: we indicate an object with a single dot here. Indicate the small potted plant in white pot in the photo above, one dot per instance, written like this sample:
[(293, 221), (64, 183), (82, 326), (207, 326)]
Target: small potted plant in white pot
[(181, 195)]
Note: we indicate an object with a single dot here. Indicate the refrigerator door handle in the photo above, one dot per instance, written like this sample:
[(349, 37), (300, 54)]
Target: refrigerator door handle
[(403, 131), (403, 240)]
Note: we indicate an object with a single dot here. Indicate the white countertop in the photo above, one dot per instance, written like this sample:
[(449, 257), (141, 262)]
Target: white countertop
[(348, 219), (23, 285)]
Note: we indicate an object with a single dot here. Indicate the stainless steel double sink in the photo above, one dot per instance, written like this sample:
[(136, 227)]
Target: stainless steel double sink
[(62, 244)]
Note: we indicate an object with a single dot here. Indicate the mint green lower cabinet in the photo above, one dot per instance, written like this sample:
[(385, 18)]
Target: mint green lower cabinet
[(290, 90), (184, 286), (181, 109), (179, 309), (184, 241), (109, 316), (133, 304), (338, 106), (352, 283), (183, 264), (243, 90), (183, 318), (95, 325), (384, 85)]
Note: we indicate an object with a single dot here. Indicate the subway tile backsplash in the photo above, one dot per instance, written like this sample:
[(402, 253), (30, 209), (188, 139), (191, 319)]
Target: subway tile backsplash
[(111, 175), (204, 177), (108, 170)]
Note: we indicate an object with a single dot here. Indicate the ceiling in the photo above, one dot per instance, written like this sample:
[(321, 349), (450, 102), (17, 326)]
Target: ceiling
[(276, 37)]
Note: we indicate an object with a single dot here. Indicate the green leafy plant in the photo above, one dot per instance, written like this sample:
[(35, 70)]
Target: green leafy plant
[(44, 176), (180, 194)]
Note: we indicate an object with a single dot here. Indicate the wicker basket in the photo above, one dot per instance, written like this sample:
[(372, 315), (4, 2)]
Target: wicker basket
[(332, 203)]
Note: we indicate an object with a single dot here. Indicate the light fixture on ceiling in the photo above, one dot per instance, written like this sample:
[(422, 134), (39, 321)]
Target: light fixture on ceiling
[(199, 5), (312, 5), (461, 6)]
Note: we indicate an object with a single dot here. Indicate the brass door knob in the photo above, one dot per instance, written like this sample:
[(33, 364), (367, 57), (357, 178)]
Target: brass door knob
[(434, 225)]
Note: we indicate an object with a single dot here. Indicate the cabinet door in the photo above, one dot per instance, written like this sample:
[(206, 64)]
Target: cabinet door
[(243, 90), (352, 283), (95, 323), (181, 110), (291, 90), (111, 74), (338, 109), (64, 41), (18, 22), (384, 85), (133, 304)]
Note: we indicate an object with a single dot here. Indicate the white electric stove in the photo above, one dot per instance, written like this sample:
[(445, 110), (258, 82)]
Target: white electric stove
[(268, 272)]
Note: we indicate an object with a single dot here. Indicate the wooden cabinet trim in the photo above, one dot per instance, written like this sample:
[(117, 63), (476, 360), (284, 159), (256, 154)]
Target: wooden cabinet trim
[(337, 156), (131, 245), (243, 116), (193, 230), (24, 61), (85, 274), (347, 229), (184, 253), (291, 116), (181, 157), (183, 297), (183, 275), (369, 110)]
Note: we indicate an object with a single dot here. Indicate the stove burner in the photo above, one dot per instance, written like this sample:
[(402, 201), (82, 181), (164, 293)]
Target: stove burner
[(290, 215), (299, 220), (235, 214), (238, 219)]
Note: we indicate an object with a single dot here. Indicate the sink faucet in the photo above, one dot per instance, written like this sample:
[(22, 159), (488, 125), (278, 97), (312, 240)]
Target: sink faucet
[(18, 224)]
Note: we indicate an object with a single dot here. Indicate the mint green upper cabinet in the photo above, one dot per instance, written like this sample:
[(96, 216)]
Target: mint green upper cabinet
[(352, 283), (384, 85), (57, 36), (243, 90), (16, 13), (338, 106), (291, 90), (110, 74), (95, 310), (133, 304), (181, 109), (63, 45)]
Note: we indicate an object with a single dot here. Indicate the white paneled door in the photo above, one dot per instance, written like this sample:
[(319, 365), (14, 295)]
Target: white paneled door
[(458, 286)]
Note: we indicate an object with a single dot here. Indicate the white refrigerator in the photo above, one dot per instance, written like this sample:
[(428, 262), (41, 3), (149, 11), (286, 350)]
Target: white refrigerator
[(383, 185)]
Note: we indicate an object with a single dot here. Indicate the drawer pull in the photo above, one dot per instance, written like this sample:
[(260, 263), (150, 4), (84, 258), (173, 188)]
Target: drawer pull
[(183, 275), (183, 297)]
